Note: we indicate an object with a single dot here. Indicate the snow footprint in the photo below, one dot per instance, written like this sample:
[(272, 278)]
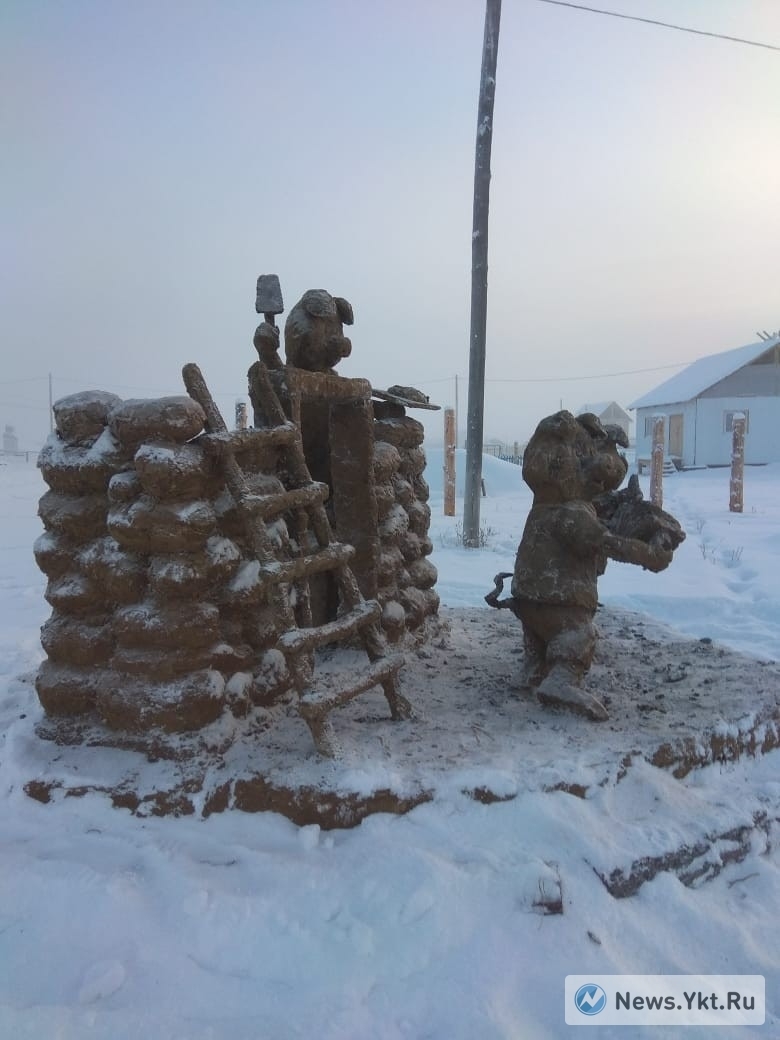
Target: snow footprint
[(101, 980), (417, 906)]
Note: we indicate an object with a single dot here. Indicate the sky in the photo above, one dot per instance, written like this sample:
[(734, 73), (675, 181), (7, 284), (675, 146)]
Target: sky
[(158, 156)]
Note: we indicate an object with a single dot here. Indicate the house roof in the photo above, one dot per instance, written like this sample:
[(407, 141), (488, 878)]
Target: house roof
[(599, 407), (703, 374)]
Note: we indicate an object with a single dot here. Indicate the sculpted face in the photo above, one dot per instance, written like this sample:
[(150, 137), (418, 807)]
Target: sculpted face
[(569, 459), (314, 331)]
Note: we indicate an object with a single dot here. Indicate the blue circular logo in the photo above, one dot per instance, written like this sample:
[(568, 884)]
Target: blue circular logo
[(590, 999)]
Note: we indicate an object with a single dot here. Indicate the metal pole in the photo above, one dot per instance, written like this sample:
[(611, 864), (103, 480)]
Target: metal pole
[(479, 276)]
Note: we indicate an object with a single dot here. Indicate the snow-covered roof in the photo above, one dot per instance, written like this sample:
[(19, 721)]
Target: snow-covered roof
[(599, 407), (703, 374)]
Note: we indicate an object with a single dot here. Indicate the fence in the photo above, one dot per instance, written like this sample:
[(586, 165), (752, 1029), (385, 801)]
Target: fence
[(26, 455), (506, 452)]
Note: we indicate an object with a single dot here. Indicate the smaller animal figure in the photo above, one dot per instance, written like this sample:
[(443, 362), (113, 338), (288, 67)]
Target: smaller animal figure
[(314, 331), (571, 465)]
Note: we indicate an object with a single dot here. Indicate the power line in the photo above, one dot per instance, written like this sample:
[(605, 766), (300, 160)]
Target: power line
[(24, 404), (664, 25), (441, 379), (568, 379), (602, 375), (170, 389), (30, 379)]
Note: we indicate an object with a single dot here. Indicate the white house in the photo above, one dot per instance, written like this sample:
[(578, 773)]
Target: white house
[(699, 404), (609, 412)]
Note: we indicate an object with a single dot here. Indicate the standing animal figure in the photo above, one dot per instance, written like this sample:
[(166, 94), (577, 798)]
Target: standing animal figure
[(570, 464)]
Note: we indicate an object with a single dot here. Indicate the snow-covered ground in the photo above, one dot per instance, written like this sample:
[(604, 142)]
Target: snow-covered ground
[(427, 925)]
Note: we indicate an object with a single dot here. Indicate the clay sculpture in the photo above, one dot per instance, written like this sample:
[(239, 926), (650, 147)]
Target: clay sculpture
[(314, 331), (192, 570), (578, 520)]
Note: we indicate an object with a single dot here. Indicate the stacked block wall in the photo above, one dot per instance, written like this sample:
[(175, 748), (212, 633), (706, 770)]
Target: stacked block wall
[(406, 577), (157, 616)]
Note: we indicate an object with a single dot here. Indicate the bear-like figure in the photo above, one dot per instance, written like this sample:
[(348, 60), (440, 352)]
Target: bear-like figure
[(314, 331), (568, 464)]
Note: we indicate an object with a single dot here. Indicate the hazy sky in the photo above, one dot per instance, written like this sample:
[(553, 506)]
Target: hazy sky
[(157, 156)]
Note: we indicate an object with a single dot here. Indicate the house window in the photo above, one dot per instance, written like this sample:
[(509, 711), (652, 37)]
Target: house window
[(649, 421), (728, 419)]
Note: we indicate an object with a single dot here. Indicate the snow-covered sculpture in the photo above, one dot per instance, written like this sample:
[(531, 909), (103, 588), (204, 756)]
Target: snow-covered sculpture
[(577, 521), (189, 566)]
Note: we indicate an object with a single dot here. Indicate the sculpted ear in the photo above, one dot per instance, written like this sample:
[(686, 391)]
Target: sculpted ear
[(318, 304), (344, 310), (592, 423), (616, 434)]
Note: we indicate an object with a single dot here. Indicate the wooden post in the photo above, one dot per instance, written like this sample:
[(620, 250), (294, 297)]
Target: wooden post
[(457, 410), (479, 276), (737, 482), (657, 461), (449, 462)]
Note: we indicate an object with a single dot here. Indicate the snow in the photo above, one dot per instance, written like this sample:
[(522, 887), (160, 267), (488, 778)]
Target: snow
[(722, 584), (57, 452), (433, 924)]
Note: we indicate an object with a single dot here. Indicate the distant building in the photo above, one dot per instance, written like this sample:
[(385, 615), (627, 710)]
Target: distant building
[(10, 440), (609, 412), (700, 402)]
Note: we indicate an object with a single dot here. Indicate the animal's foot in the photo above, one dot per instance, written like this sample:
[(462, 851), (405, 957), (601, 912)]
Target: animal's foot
[(530, 677), (558, 694)]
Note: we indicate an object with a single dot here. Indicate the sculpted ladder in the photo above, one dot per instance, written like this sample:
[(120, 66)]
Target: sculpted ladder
[(304, 498)]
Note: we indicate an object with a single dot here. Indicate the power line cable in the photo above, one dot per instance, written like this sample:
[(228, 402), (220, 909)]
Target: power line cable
[(25, 405), (568, 379), (29, 379), (441, 379), (144, 389), (664, 25), (579, 379)]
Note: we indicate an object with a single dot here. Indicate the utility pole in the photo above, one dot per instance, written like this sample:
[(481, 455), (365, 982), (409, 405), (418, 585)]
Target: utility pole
[(479, 273)]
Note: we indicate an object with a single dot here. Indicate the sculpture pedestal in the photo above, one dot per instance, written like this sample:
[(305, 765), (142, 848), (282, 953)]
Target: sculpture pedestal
[(675, 703)]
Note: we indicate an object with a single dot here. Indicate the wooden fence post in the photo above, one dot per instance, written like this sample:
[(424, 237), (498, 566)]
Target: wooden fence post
[(657, 461), (737, 482), (449, 462)]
